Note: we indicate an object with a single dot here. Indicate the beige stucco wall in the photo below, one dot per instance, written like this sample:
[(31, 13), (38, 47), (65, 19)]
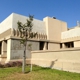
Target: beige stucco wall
[(75, 32), (53, 46), (4, 47), (12, 19), (6, 24), (38, 25), (77, 38), (54, 28), (77, 44), (65, 59), (5, 35)]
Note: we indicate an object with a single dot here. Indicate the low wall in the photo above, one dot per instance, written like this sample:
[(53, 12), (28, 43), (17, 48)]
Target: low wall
[(64, 59)]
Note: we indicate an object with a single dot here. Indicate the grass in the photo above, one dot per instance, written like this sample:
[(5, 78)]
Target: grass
[(38, 73)]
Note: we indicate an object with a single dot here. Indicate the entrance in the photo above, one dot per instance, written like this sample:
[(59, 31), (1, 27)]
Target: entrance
[(41, 45)]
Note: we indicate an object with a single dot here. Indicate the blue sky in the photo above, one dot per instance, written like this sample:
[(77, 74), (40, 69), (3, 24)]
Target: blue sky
[(65, 10)]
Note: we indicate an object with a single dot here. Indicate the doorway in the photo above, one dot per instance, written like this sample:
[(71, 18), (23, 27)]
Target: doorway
[(41, 45)]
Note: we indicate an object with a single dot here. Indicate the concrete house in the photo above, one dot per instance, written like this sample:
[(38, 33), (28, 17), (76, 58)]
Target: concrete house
[(53, 34)]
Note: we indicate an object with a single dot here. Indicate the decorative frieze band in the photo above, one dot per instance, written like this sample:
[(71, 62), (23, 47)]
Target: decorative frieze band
[(18, 34)]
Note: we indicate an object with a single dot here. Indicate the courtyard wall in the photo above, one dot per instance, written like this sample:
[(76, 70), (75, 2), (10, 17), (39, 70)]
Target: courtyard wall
[(64, 59)]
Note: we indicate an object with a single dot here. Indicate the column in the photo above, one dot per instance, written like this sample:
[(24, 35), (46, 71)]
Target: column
[(45, 46), (8, 49), (63, 45)]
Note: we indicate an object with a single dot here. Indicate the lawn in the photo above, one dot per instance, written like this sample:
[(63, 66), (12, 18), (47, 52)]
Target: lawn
[(38, 73)]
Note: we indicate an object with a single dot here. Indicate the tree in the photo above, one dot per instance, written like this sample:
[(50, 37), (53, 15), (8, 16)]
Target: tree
[(26, 33)]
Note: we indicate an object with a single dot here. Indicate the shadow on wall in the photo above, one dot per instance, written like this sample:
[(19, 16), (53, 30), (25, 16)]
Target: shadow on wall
[(42, 68), (52, 63)]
